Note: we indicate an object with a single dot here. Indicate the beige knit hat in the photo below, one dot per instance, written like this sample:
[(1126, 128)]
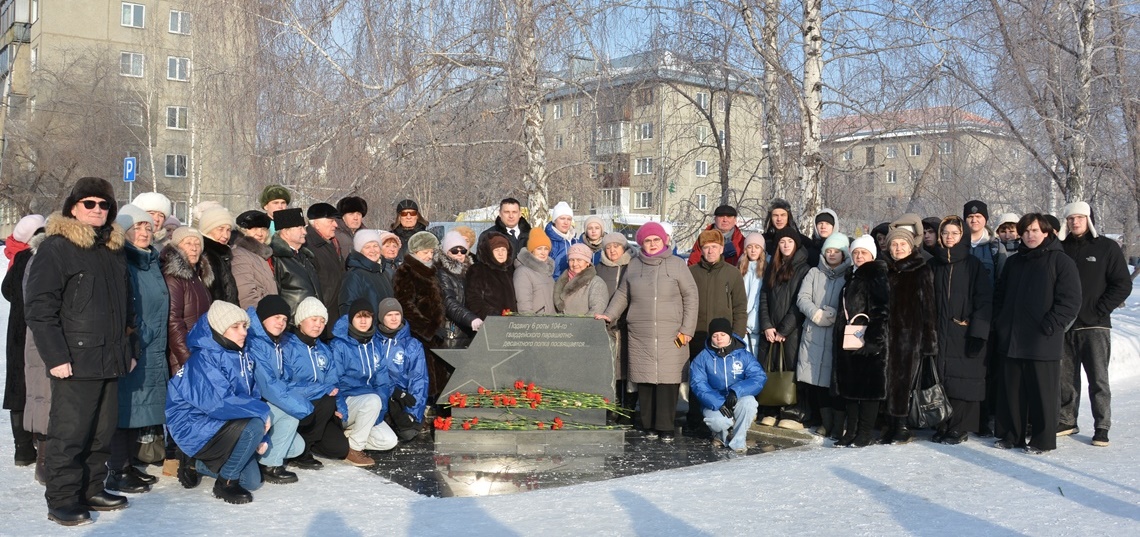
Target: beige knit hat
[(223, 315), (310, 307)]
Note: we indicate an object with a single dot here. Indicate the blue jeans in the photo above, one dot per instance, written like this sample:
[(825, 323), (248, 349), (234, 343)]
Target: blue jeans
[(242, 464), (736, 429), (284, 442)]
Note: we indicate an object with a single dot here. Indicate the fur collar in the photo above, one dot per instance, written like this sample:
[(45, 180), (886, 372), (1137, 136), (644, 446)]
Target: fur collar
[(912, 262), (450, 265), (36, 241), (545, 268), (870, 270), (416, 267), (175, 265), (251, 244), (569, 287), (80, 234)]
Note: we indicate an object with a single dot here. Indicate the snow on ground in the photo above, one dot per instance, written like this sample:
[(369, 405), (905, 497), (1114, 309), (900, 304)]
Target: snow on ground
[(921, 488)]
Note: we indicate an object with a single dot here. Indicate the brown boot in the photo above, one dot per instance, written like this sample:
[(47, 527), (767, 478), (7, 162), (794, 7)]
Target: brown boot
[(358, 458), (41, 465)]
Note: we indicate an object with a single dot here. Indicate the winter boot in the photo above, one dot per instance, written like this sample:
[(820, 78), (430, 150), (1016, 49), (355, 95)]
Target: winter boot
[(25, 447), (903, 434), (827, 416), (230, 491), (865, 428), (141, 475), (122, 481), (188, 471), (838, 425), (277, 475), (41, 464), (850, 427)]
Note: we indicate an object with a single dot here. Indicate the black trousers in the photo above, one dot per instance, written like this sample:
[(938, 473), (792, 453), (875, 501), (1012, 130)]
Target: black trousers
[(965, 418), (121, 444), (658, 406), (1087, 348), (321, 430), (82, 422), (1031, 398)]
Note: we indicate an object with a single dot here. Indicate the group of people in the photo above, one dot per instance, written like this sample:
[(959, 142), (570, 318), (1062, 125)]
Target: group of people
[(246, 345)]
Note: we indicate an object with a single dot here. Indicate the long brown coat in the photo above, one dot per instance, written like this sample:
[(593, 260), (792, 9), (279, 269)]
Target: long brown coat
[(189, 299), (661, 298)]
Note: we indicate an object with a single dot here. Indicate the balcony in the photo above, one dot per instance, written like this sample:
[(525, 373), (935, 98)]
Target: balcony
[(613, 138), (19, 32), (613, 180)]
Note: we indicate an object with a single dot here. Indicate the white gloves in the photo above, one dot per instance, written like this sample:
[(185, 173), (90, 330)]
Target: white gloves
[(476, 324)]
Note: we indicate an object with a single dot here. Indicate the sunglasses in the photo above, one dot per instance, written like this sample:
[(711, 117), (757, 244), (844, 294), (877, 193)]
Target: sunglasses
[(408, 213), (90, 204), (458, 250)]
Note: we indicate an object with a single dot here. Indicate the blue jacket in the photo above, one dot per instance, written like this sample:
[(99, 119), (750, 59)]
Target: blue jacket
[(407, 366), (364, 279), (273, 379), (215, 386), (711, 376), (559, 249), (362, 370), (311, 371), (142, 392)]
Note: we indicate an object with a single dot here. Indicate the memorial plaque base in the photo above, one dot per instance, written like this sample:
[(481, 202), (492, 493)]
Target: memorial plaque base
[(576, 442)]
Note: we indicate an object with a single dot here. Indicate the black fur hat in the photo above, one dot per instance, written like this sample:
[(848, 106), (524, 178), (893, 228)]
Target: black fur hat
[(353, 204), (253, 220), (92, 187)]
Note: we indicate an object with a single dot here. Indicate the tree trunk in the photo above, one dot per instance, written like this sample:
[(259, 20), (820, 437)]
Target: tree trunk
[(528, 96), (812, 161), (1086, 33), (775, 156)]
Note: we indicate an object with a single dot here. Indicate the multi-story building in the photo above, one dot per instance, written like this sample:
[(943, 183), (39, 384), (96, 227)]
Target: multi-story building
[(87, 83), (646, 137)]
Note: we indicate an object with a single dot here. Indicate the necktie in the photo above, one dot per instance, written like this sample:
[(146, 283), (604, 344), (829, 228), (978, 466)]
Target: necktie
[(514, 233)]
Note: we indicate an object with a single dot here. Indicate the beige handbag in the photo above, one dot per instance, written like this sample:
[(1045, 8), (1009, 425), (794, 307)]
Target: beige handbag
[(853, 333)]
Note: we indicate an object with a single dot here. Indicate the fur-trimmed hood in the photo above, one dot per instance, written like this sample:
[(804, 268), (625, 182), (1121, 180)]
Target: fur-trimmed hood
[(83, 235), (251, 244), (526, 259), (176, 265), (444, 261)]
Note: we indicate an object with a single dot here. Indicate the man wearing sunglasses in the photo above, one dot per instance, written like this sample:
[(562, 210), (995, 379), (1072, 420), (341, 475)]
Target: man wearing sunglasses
[(408, 222), (77, 300)]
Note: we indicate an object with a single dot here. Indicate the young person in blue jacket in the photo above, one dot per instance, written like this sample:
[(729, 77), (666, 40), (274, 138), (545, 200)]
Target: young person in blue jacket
[(214, 410), (363, 384), (266, 345), (312, 374), (726, 379), (407, 370)]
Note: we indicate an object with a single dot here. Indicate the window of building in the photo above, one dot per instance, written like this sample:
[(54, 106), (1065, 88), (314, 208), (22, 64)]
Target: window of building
[(915, 175), (702, 99), (871, 156), (643, 200), (131, 64), (702, 168), (847, 155), (915, 150), (720, 136), (133, 15), (644, 97), (702, 134), (176, 117), (177, 68), (611, 197), (945, 148), (702, 202), (558, 111), (945, 173), (557, 141), (892, 151), (645, 131), (35, 11), (179, 22), (577, 108), (132, 113), (892, 177), (644, 166), (176, 165)]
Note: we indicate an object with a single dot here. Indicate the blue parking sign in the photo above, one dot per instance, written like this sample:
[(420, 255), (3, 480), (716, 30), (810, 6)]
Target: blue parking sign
[(129, 166)]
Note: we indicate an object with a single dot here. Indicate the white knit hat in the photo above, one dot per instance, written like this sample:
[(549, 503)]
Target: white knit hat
[(1076, 208), (363, 237), (28, 225), (223, 315), (310, 307), (129, 215), (213, 218), (1008, 218), (866, 242), (152, 201), (561, 209), (453, 239)]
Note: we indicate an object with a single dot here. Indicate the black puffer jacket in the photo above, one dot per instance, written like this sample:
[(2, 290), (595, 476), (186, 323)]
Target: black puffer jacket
[(964, 303), (77, 299), (330, 271), (294, 271), (1105, 283), (365, 279), (457, 318), (778, 310), (862, 374), (1038, 295), (221, 259)]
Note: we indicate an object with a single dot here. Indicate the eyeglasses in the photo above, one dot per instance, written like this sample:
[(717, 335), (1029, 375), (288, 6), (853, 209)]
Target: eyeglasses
[(458, 250), (90, 204), (408, 213), (951, 233)]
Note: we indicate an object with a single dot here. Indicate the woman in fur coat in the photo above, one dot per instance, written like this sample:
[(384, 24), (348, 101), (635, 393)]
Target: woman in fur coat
[(859, 376), (912, 320), (188, 277)]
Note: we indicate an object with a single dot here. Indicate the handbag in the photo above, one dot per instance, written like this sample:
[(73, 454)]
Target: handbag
[(853, 333), (151, 446), (780, 388), (929, 406)]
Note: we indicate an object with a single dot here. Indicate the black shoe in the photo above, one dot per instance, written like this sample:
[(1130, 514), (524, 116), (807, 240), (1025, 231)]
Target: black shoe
[(141, 475), (188, 472), (72, 515), (407, 435), (954, 438), (650, 434), (1100, 438), (306, 461), (861, 440), (1034, 451), (903, 435), (938, 437), (888, 435), (666, 436), (847, 440), (1003, 444), (105, 501), (125, 482), (277, 475), (25, 454), (230, 491)]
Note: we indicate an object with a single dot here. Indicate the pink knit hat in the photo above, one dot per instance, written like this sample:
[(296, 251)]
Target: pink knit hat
[(580, 251), (652, 229)]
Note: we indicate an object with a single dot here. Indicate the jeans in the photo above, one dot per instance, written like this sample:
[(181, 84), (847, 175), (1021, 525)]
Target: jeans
[(733, 432), (1089, 348), (284, 442), (242, 464)]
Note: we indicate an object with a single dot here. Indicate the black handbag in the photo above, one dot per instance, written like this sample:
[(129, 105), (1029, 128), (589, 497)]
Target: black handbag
[(780, 388), (929, 405)]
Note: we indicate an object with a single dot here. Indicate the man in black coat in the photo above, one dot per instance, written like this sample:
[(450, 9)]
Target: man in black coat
[(292, 261), (1105, 285), (322, 239), (511, 223), (77, 305)]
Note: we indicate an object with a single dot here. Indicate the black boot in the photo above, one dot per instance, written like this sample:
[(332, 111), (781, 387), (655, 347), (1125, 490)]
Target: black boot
[(71, 515), (188, 471), (25, 446), (865, 429), (141, 475), (277, 475), (230, 491), (306, 461), (851, 425), (124, 482), (903, 434), (41, 464), (838, 425), (105, 501)]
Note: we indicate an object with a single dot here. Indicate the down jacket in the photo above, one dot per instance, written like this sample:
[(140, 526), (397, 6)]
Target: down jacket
[(721, 288), (273, 378), (407, 366), (252, 272), (189, 300), (361, 367), (365, 279), (215, 387), (452, 278), (559, 249), (13, 288), (142, 392), (964, 305), (310, 371), (822, 287), (534, 284), (862, 374), (661, 298), (586, 294), (37, 381), (712, 373)]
